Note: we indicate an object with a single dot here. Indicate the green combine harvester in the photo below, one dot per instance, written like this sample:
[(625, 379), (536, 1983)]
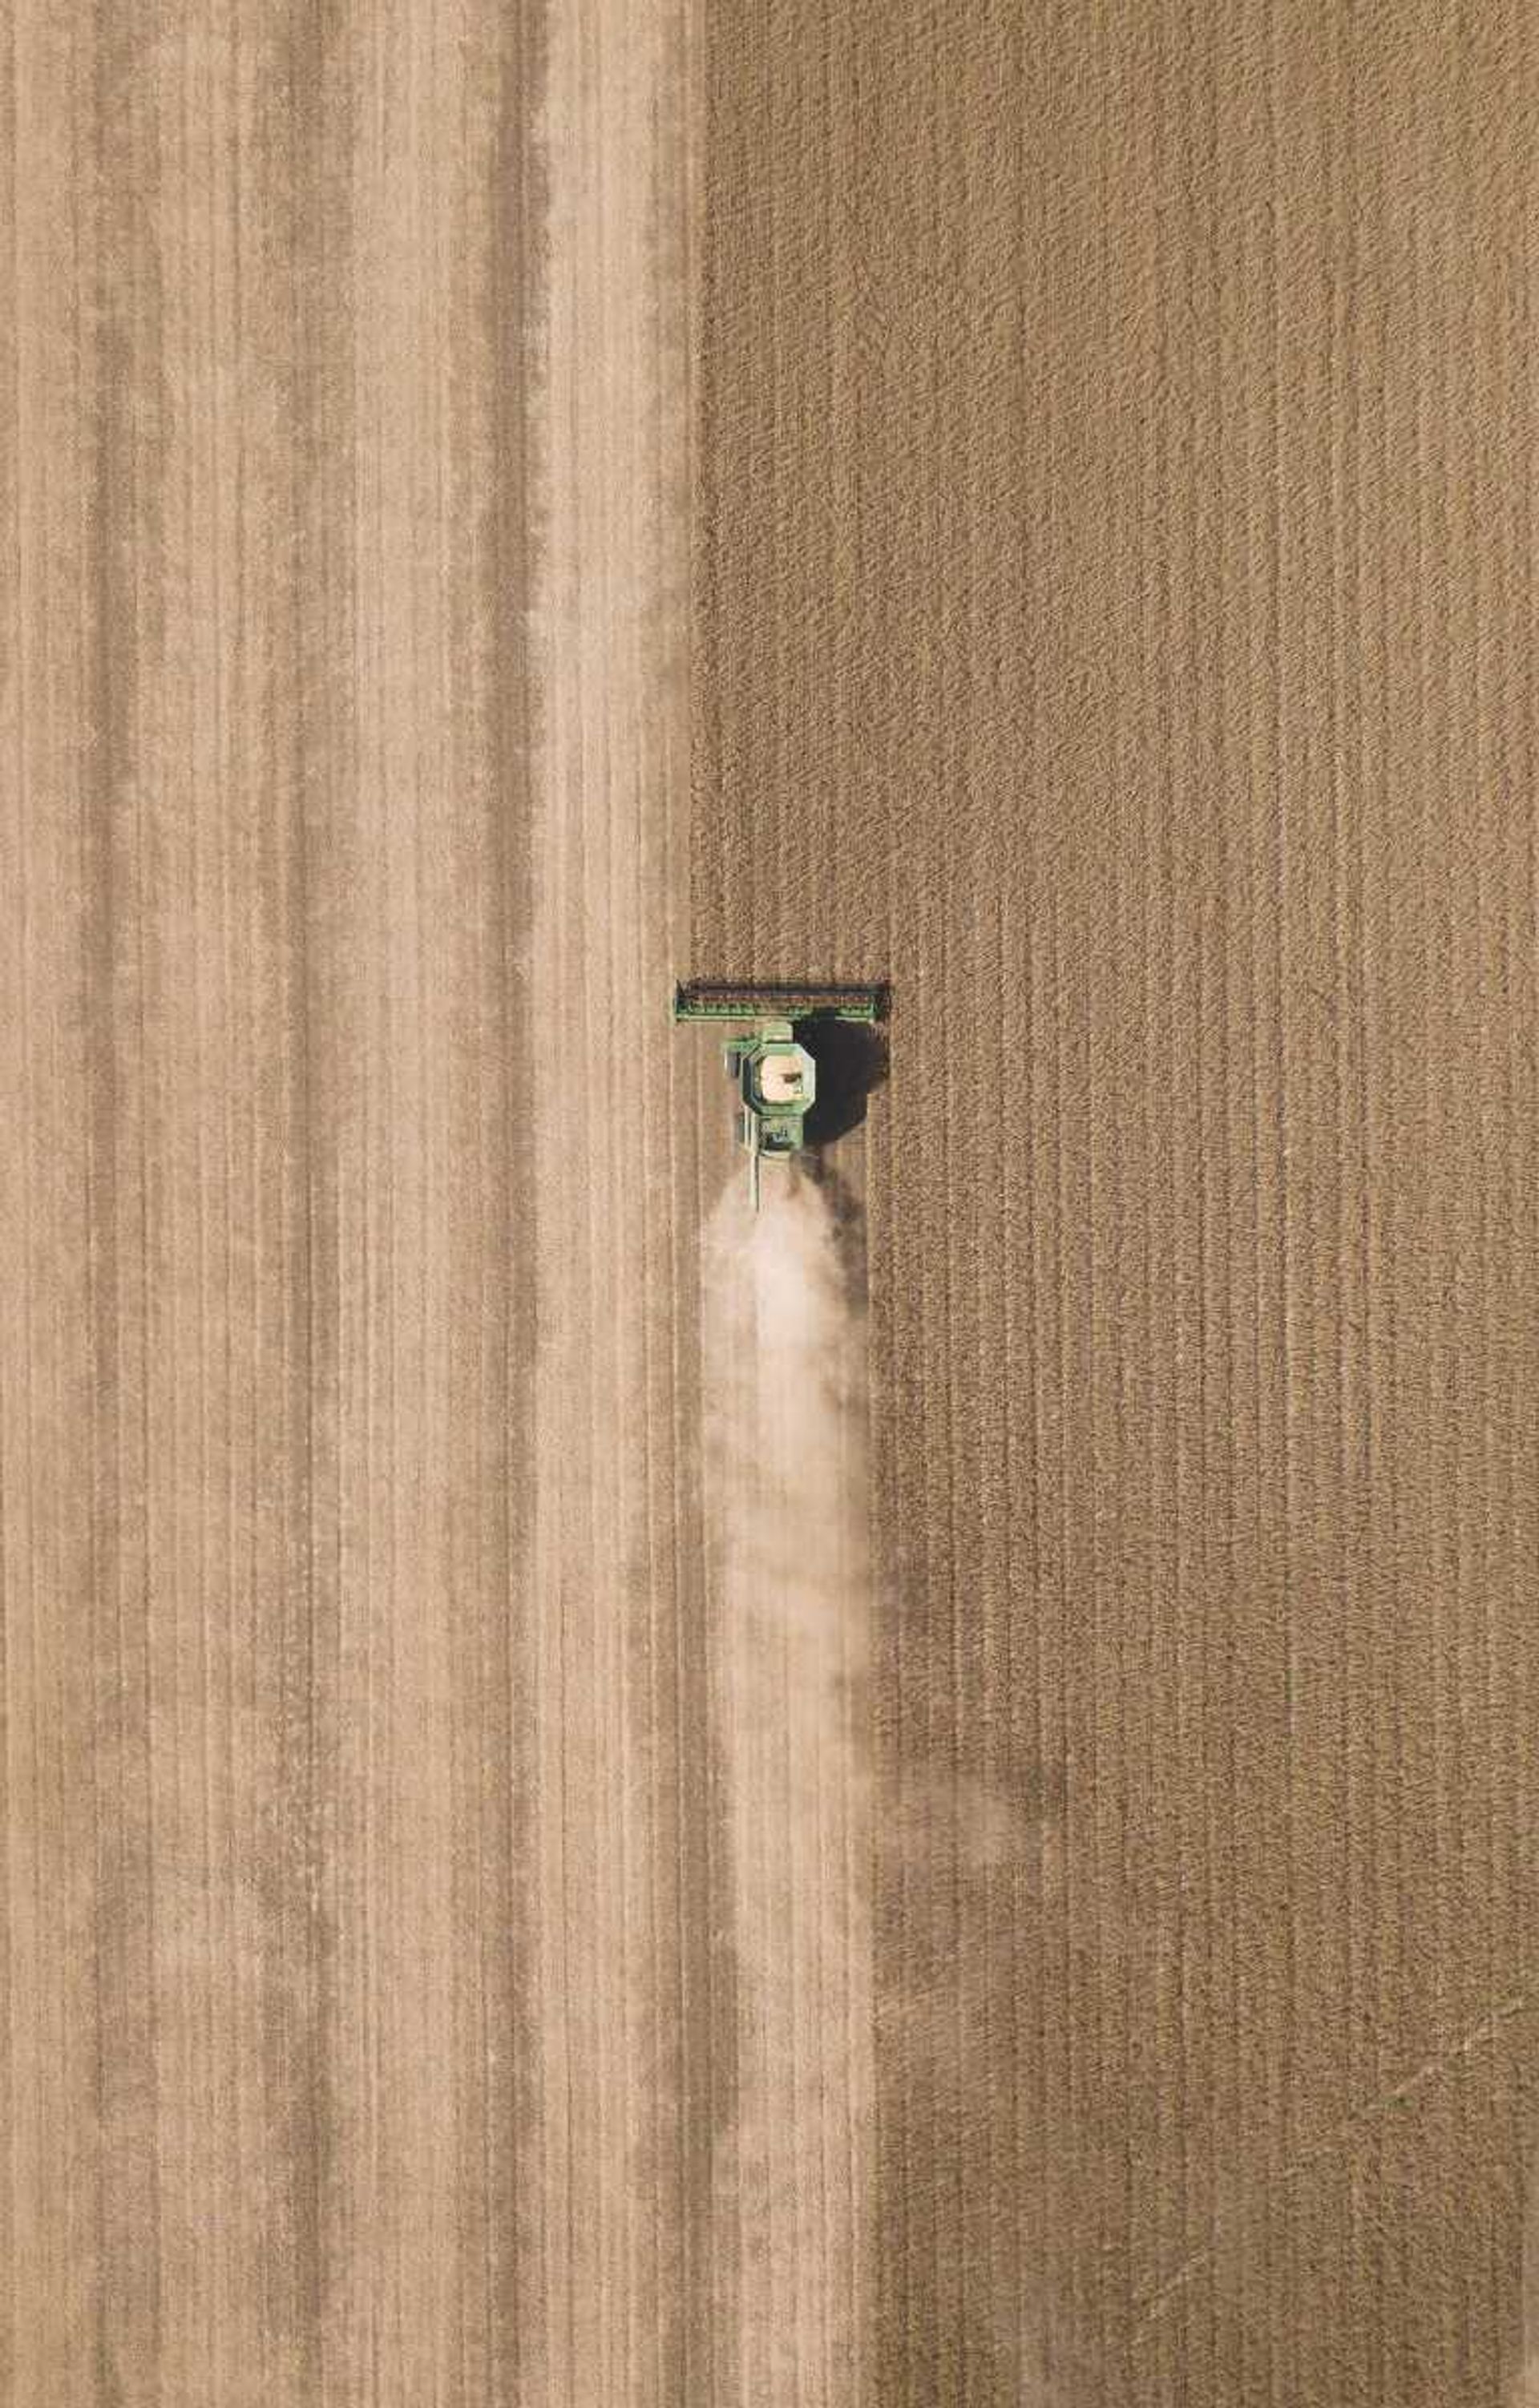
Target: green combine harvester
[(775, 1076)]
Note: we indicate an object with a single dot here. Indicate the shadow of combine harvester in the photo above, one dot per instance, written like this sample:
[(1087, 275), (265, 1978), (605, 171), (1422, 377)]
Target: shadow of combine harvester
[(803, 1058)]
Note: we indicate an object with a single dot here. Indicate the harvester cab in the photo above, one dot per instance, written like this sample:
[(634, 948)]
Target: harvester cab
[(773, 1072)]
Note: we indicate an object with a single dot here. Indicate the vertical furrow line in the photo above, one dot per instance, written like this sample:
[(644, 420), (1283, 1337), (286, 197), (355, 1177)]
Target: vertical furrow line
[(127, 459), (608, 414)]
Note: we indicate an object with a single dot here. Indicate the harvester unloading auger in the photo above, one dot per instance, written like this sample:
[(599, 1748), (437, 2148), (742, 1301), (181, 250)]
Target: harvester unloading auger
[(775, 1075)]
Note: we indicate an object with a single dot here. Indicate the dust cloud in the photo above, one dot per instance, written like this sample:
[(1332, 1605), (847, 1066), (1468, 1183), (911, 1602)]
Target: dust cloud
[(787, 1492), (1523, 2386)]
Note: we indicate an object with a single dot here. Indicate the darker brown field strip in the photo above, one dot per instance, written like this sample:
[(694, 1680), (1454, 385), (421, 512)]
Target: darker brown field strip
[(1112, 565)]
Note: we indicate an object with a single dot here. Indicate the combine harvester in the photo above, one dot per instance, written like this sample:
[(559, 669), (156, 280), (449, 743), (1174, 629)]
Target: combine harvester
[(775, 1076)]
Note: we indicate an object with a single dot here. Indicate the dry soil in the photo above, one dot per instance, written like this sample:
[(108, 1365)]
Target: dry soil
[(356, 1893), (1113, 568), (933, 1804)]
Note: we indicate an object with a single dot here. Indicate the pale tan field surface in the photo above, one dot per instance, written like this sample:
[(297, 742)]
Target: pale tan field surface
[(1116, 625), (356, 2044)]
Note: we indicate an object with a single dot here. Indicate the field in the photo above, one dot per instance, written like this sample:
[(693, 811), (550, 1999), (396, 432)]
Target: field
[(1114, 552), (927, 1803)]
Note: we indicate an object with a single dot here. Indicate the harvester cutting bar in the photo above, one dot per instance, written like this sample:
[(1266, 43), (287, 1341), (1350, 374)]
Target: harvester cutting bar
[(717, 1000)]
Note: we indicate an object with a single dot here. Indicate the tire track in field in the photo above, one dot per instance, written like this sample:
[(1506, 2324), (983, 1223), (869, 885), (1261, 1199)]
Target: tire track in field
[(614, 1916)]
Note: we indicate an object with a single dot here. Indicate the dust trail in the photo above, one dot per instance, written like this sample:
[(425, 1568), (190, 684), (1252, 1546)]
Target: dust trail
[(790, 1587), (1523, 2385)]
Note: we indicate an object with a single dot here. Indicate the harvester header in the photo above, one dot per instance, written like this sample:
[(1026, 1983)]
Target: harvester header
[(775, 1075), (725, 999)]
